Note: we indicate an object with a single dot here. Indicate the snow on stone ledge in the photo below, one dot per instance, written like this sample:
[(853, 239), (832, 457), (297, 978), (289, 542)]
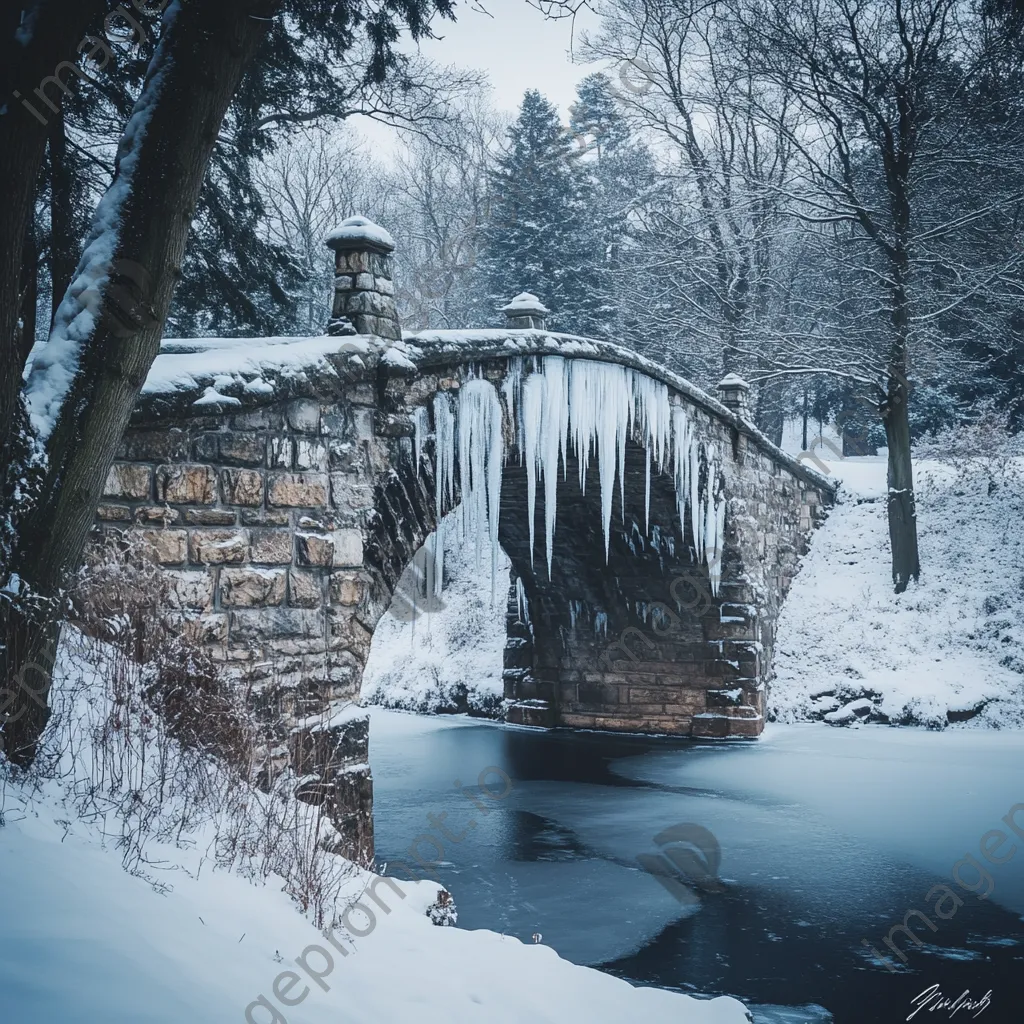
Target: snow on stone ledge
[(218, 372)]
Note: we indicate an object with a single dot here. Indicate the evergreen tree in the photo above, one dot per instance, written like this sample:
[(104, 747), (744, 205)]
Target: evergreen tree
[(620, 182), (595, 121), (535, 237)]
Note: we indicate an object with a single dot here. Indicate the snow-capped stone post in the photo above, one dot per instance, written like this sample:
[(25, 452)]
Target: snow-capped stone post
[(734, 394), (526, 313), (364, 289)]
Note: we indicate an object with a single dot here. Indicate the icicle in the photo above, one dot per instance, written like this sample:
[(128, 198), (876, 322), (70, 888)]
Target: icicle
[(495, 464), (647, 490), (694, 475), (444, 483), (581, 398), (421, 425), (554, 427), (715, 567), (532, 405), (708, 509), (510, 387), (681, 461), (522, 606), (481, 450)]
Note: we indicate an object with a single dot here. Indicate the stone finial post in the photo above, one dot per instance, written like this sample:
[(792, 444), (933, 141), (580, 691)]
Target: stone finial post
[(525, 312), (734, 394), (364, 290)]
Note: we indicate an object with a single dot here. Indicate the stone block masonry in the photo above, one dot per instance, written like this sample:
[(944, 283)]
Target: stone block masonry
[(239, 512)]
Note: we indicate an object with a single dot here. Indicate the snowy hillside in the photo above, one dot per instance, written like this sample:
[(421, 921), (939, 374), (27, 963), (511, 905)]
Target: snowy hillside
[(950, 649), (178, 938)]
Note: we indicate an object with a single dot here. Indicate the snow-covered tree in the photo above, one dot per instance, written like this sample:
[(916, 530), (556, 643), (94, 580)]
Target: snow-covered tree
[(903, 187), (61, 418), (536, 235), (714, 238)]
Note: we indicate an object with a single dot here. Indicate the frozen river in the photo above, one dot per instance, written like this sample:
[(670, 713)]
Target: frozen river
[(828, 837)]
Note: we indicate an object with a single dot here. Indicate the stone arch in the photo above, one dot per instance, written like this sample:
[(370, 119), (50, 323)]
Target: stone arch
[(640, 643), (284, 485)]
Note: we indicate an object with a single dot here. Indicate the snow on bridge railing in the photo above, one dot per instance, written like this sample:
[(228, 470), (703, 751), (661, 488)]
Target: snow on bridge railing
[(200, 375)]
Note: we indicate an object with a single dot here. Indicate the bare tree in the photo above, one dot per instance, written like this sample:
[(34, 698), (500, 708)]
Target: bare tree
[(719, 241), (439, 184), (887, 148), (308, 188)]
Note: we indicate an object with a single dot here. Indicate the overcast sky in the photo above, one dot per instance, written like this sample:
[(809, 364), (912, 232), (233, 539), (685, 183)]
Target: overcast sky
[(516, 46)]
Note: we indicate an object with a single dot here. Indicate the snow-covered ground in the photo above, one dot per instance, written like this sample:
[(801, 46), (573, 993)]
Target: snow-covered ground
[(84, 940), (948, 650), (442, 655)]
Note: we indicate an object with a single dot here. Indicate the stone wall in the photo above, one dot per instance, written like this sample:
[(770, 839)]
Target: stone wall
[(255, 519)]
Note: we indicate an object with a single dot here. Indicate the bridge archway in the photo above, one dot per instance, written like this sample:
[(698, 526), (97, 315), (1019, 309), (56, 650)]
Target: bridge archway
[(284, 486), (670, 631)]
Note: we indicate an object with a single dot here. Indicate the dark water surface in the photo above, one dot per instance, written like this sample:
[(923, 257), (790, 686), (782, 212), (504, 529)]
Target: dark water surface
[(828, 837)]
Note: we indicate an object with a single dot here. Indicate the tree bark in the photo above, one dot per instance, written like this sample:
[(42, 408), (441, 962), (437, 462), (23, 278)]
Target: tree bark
[(203, 53), (902, 508), (25, 61), (63, 244)]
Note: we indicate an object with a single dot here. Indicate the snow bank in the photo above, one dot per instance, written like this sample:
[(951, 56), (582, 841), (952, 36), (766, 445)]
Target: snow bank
[(950, 649), (83, 940), (442, 655)]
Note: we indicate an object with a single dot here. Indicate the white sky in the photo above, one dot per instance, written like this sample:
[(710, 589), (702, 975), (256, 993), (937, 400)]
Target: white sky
[(516, 46)]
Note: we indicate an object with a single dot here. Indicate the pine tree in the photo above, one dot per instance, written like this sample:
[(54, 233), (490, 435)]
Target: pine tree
[(595, 120), (535, 237)]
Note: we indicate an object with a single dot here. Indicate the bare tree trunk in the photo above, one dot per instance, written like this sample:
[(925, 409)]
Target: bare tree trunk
[(203, 52), (902, 508), (804, 446)]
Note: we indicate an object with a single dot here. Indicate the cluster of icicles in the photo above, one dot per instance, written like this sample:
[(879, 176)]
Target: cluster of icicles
[(592, 406)]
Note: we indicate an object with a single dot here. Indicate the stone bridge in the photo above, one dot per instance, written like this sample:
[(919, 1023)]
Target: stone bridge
[(284, 484)]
